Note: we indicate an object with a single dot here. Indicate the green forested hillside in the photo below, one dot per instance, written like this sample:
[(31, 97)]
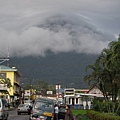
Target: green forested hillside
[(67, 69)]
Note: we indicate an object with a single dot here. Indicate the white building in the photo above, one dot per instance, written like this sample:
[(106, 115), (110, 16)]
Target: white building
[(76, 97)]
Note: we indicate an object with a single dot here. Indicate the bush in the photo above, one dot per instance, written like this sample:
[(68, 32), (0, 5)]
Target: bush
[(82, 117), (93, 115)]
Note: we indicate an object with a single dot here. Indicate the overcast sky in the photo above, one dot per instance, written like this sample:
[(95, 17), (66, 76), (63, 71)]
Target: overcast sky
[(31, 27)]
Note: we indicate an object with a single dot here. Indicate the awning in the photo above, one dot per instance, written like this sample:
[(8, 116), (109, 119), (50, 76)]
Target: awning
[(93, 95)]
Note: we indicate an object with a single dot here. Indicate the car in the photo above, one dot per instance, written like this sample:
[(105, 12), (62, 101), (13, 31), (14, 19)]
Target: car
[(3, 109), (61, 113), (43, 109), (28, 102), (22, 108)]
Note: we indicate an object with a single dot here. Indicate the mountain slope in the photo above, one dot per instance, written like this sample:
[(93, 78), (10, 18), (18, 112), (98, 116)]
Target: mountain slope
[(67, 69)]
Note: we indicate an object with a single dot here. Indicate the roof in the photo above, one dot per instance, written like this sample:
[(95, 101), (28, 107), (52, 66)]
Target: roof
[(4, 68)]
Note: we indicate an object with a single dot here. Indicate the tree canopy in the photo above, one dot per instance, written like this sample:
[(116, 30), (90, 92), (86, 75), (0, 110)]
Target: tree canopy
[(106, 70)]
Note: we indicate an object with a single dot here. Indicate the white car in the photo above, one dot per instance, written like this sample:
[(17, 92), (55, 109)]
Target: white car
[(28, 102), (22, 108)]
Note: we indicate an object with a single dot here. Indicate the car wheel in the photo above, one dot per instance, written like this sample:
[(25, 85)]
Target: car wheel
[(3, 118), (28, 113), (19, 113), (6, 118)]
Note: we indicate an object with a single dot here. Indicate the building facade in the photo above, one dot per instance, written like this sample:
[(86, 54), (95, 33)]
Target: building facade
[(13, 93), (81, 98)]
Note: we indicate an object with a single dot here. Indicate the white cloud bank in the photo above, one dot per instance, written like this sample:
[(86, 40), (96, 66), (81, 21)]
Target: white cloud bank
[(32, 27)]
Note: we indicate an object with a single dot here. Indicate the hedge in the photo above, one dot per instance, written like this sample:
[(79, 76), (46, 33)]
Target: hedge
[(93, 115)]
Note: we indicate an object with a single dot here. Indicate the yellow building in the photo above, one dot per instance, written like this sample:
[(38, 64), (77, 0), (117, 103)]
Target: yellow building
[(14, 92)]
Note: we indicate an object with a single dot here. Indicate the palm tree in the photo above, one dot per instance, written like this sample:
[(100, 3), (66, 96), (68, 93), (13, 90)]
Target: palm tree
[(106, 70), (114, 66), (7, 82), (98, 76), (106, 63)]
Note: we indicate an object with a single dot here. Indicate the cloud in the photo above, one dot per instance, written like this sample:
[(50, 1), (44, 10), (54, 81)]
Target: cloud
[(41, 26)]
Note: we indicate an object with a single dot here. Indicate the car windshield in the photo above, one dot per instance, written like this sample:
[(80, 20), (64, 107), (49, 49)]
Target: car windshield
[(21, 105), (43, 105), (28, 101)]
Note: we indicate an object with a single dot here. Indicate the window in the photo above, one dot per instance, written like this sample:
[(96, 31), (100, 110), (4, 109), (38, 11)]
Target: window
[(2, 75)]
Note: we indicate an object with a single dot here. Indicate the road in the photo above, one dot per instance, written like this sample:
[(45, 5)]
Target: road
[(13, 116)]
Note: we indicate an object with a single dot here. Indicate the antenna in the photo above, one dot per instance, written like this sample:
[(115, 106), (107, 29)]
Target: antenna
[(8, 53)]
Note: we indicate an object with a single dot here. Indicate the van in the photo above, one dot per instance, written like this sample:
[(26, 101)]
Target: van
[(43, 109), (3, 109)]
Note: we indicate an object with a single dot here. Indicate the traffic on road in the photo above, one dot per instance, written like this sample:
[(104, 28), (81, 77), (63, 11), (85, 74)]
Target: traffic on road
[(42, 109)]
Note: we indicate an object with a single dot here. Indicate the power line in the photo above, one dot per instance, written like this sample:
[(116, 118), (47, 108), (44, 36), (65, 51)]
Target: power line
[(3, 59)]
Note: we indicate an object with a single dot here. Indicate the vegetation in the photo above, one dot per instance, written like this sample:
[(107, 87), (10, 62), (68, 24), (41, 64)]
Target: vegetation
[(7, 82), (76, 112), (80, 114), (41, 87), (106, 72), (93, 115)]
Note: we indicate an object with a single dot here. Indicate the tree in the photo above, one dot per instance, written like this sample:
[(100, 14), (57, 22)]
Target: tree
[(7, 82), (106, 70), (41, 87), (114, 66), (98, 77), (107, 73)]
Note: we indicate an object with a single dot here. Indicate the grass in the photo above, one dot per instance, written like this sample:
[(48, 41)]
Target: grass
[(80, 114), (76, 112)]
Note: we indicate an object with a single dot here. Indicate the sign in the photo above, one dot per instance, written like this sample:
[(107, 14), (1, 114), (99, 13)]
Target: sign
[(60, 96), (69, 92), (49, 92), (3, 86), (48, 114), (27, 93), (58, 87)]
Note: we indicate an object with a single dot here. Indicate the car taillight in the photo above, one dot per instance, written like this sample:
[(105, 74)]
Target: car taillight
[(1, 110), (52, 115), (31, 111)]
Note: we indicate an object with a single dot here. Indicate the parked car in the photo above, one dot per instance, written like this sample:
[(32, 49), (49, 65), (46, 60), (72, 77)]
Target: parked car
[(28, 102), (43, 109), (22, 108), (3, 109)]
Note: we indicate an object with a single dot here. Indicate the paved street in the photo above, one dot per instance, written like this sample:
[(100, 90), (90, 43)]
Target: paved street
[(13, 116)]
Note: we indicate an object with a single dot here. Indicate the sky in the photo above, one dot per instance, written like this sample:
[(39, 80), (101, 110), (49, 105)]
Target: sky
[(32, 27)]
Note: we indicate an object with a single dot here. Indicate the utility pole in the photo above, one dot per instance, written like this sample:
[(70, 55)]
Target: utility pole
[(30, 89)]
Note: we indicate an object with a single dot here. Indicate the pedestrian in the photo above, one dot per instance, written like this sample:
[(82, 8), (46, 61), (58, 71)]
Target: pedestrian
[(56, 110), (68, 113), (30, 109)]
